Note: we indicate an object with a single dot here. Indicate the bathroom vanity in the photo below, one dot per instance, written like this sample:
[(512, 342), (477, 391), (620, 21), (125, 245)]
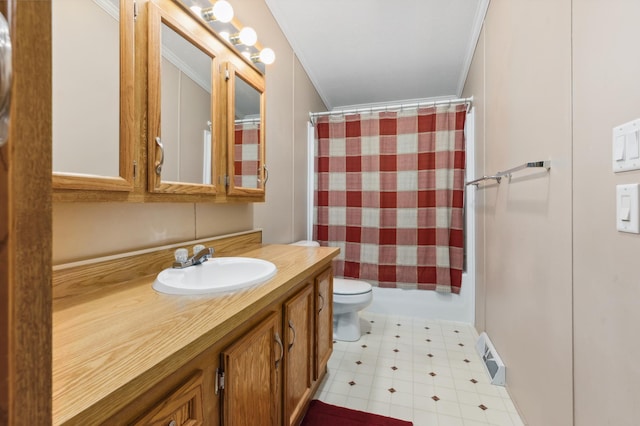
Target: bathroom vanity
[(126, 354)]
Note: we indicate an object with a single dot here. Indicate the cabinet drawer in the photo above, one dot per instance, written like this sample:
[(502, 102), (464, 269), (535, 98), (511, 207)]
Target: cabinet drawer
[(183, 407)]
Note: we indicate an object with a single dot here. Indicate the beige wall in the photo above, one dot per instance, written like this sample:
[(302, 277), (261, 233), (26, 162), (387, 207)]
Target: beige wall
[(557, 289), (521, 82), (606, 282), (85, 230), (306, 101), (290, 98)]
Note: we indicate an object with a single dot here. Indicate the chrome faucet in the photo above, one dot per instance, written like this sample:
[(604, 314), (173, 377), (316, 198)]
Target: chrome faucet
[(200, 255)]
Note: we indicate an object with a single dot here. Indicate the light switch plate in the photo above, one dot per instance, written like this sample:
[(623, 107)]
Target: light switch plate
[(626, 146), (627, 207)]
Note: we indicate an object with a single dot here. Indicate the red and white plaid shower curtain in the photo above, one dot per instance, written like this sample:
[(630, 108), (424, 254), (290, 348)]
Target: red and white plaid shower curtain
[(389, 193), (246, 154)]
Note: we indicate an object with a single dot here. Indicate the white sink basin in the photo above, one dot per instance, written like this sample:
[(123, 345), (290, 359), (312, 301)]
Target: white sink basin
[(220, 274)]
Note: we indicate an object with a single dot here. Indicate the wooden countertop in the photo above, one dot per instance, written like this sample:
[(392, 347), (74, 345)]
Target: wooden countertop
[(113, 337)]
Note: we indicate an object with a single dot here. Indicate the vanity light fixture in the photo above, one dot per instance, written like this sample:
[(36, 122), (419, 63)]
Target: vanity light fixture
[(246, 36), (221, 11), (267, 56)]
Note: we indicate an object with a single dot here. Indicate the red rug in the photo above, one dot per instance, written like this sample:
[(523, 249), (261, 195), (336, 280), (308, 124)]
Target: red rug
[(322, 414)]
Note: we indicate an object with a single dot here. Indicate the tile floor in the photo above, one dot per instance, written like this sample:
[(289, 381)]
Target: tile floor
[(424, 371)]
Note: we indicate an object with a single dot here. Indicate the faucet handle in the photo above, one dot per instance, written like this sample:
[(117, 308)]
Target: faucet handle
[(181, 255), (198, 248)]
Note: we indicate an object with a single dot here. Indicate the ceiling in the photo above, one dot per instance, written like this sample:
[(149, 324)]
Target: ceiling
[(363, 52)]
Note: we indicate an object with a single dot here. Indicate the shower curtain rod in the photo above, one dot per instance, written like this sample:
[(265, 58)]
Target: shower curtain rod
[(391, 107)]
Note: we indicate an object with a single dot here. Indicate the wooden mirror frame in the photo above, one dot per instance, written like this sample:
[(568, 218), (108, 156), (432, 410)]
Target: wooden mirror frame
[(127, 149), (174, 17), (254, 79)]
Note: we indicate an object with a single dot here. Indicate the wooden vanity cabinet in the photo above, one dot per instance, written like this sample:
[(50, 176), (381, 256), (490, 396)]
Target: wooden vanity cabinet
[(308, 331), (261, 369), (254, 365), (262, 373)]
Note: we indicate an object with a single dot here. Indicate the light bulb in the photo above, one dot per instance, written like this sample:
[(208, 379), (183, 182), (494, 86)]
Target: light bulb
[(248, 36), (267, 56), (223, 11)]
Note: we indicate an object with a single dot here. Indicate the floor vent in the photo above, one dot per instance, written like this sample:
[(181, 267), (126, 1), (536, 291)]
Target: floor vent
[(491, 360)]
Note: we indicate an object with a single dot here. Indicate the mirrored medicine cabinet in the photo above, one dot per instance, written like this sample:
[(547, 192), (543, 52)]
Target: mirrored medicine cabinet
[(184, 106), (93, 95), (246, 106), (201, 117)]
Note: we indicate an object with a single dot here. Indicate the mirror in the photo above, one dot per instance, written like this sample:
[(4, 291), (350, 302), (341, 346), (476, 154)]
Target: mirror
[(246, 141), (182, 120), (185, 109), (92, 96), (246, 135)]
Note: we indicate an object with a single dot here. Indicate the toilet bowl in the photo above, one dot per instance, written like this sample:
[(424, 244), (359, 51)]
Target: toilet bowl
[(349, 297)]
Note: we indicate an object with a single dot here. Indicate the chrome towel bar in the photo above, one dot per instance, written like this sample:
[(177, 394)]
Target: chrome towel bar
[(483, 178), (498, 176)]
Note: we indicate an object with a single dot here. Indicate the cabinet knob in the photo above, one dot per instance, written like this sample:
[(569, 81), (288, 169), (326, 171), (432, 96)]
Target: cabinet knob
[(172, 423)]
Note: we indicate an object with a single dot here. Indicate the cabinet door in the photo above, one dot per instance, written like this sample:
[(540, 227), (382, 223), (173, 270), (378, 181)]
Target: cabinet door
[(324, 321), (182, 408), (298, 331), (251, 376), (93, 96), (184, 112), (246, 105)]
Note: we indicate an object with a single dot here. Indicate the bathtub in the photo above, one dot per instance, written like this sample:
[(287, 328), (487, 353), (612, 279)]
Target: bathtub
[(427, 304)]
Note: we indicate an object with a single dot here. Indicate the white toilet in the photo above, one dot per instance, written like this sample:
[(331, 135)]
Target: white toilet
[(349, 297)]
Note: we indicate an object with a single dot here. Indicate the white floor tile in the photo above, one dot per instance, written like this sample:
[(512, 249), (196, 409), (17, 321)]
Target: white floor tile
[(469, 398), (472, 412), (401, 413), (359, 404), (473, 423), (500, 418), (423, 371), (444, 420), (424, 418), (378, 407)]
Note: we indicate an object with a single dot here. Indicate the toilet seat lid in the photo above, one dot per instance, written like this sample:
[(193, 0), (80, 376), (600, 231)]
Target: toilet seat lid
[(306, 243), (347, 286)]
